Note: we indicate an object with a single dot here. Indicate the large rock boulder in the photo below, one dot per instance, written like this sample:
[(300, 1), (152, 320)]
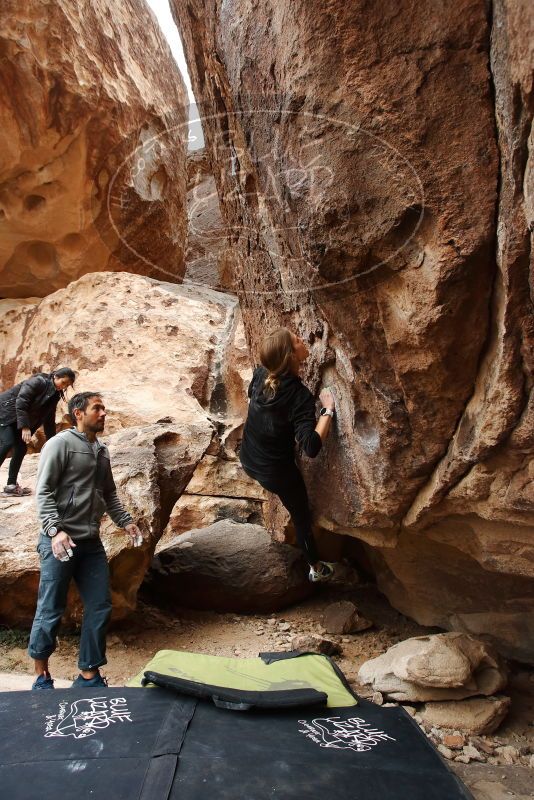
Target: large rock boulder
[(199, 511), (468, 566), (440, 667), (369, 214), (229, 567), (93, 138), (155, 350), (218, 490), (351, 218), (458, 575), (170, 362), (151, 466)]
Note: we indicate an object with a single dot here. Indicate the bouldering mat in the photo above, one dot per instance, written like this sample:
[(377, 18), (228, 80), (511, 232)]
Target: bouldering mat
[(270, 672), (161, 744)]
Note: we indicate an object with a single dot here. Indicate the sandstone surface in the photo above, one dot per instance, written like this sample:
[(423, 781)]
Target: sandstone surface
[(218, 490), (155, 350), (475, 516), (314, 643), (376, 176), (479, 715), (199, 511), (93, 138), (208, 256), (320, 187), (437, 667), (229, 567), (343, 617)]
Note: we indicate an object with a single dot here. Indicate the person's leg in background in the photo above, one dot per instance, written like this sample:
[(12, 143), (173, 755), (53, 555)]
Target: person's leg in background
[(19, 451), (11, 439), (6, 441)]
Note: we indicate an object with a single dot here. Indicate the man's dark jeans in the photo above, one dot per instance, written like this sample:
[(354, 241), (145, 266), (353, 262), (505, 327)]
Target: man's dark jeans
[(89, 569)]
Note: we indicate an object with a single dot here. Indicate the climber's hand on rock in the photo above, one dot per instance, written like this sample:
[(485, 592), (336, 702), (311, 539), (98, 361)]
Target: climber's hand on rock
[(327, 398)]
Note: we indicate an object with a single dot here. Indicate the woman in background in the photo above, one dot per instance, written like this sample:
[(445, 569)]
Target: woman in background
[(23, 409), (282, 410)]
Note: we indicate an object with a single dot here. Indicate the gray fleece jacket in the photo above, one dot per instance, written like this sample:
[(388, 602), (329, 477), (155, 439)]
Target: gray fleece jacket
[(75, 487)]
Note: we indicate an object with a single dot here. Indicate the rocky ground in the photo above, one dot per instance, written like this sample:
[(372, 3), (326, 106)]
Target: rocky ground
[(497, 766)]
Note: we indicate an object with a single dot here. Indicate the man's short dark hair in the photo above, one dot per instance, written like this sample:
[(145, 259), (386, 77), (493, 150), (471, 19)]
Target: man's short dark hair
[(80, 401)]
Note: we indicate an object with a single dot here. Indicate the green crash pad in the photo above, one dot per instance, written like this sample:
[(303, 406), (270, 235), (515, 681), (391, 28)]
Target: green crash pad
[(272, 673)]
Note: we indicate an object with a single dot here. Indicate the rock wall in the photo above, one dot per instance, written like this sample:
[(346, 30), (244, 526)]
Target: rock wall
[(374, 170), (472, 524), (208, 259), (93, 138)]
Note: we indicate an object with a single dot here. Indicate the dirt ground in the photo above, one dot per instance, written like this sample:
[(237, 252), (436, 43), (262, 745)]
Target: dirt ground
[(132, 643)]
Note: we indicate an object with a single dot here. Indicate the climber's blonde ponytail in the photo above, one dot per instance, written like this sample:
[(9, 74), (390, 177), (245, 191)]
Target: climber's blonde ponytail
[(271, 384), (276, 355)]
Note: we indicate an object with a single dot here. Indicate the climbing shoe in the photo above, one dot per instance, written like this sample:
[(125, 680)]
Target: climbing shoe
[(43, 681), (324, 572), (89, 683)]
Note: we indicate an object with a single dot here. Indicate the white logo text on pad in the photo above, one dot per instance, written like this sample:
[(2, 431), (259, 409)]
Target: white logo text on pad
[(349, 734), (85, 717)]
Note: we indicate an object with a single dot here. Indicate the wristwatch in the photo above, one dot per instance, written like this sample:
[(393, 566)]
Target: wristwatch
[(53, 531), (327, 412)]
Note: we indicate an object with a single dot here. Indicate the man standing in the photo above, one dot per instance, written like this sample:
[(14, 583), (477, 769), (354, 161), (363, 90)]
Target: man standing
[(75, 487)]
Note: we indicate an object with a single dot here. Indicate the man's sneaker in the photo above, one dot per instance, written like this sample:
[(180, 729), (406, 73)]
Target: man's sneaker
[(43, 681), (89, 683), (324, 572)]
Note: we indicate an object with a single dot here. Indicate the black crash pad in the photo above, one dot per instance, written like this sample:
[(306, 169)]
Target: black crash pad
[(159, 745)]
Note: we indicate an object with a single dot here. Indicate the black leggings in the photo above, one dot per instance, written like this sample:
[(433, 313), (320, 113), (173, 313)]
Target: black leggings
[(11, 437), (289, 485)]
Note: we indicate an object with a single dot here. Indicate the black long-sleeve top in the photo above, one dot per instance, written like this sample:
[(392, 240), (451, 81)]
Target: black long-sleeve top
[(274, 423), (30, 404)]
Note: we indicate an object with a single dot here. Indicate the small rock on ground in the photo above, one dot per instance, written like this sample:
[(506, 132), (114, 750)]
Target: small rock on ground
[(343, 617), (313, 643)]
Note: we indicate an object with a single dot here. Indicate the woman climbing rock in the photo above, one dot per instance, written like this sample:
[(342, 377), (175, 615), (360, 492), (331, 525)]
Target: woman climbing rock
[(23, 409), (282, 410)]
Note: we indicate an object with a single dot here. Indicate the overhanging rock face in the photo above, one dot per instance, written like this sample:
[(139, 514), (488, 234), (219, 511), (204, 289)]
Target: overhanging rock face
[(93, 137), (373, 169)]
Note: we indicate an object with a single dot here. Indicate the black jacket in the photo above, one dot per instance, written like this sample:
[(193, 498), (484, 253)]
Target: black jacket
[(273, 425), (30, 404)]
